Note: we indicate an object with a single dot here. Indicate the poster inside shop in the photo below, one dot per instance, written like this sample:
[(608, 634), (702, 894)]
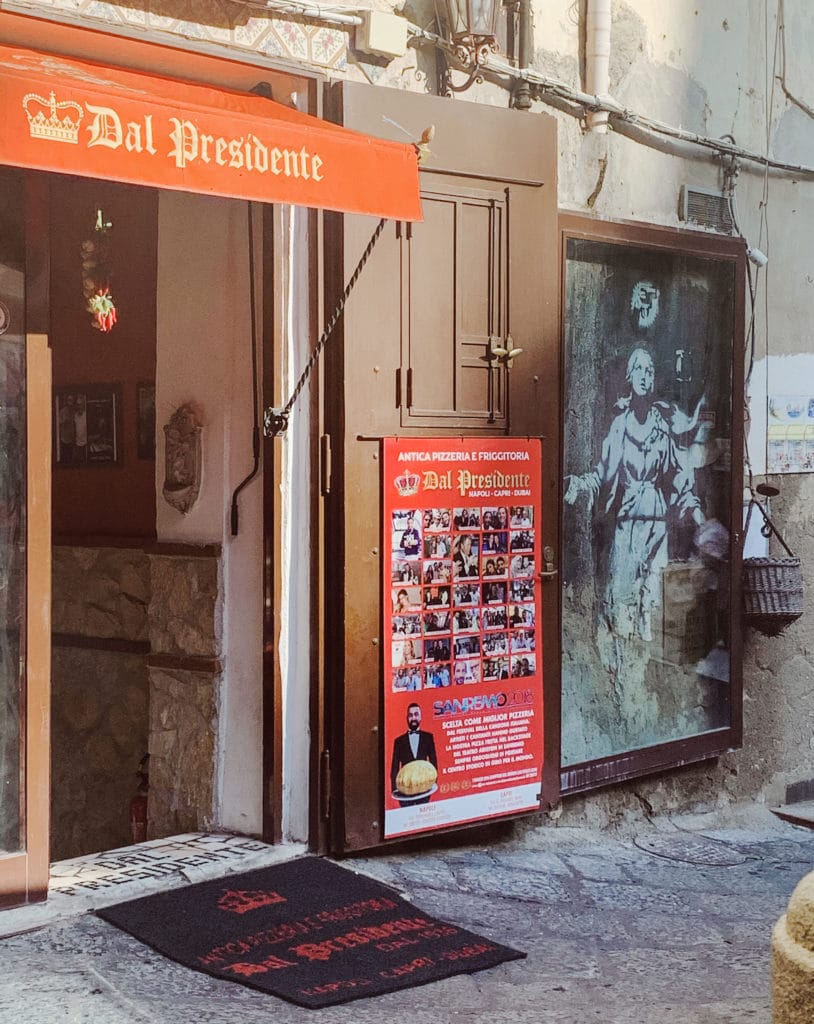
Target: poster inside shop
[(463, 676)]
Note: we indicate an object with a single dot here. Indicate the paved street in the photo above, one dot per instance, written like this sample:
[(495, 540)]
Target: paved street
[(618, 929)]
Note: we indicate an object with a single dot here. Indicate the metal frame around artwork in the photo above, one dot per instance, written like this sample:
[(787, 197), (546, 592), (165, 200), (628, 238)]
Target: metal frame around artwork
[(605, 771)]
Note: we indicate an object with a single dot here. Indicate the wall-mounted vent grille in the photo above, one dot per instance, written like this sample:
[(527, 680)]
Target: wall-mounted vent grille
[(705, 207)]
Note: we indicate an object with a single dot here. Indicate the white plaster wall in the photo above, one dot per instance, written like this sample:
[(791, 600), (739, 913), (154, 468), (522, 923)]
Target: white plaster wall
[(295, 636), (204, 357)]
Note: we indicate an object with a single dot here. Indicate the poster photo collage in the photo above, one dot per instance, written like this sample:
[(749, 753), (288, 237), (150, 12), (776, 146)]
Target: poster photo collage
[(462, 601)]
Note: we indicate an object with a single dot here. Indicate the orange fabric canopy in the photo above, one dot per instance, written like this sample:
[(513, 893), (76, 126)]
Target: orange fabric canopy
[(71, 116)]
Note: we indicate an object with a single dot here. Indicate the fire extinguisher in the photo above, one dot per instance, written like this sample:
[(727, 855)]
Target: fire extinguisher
[(138, 805)]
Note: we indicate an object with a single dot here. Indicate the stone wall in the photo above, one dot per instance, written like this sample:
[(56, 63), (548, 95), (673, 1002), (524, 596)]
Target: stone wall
[(185, 629), (98, 737), (99, 695)]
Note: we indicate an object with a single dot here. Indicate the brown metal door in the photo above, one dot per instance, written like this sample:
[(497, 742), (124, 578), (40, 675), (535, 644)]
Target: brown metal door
[(25, 538), (413, 360)]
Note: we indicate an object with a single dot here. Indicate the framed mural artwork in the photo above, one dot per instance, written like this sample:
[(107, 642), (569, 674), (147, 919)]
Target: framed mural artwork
[(87, 425), (650, 533)]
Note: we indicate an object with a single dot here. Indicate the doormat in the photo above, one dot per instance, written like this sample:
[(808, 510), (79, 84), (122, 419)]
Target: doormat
[(308, 931)]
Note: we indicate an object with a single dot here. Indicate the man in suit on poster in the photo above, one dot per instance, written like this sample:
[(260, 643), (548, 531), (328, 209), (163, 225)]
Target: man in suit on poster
[(413, 745)]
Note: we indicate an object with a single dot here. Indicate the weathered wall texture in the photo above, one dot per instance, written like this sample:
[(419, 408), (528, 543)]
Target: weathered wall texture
[(99, 697), (185, 628)]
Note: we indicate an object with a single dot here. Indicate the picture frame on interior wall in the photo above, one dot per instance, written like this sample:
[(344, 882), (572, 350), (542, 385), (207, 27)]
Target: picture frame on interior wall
[(145, 420), (87, 426)]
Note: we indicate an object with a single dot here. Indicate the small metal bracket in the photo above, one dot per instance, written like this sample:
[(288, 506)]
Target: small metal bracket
[(275, 421)]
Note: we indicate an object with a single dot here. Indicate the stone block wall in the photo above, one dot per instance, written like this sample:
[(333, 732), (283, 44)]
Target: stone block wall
[(99, 695), (185, 669), (98, 735)]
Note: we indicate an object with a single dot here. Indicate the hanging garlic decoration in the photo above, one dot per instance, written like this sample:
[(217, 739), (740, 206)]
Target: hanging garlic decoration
[(96, 276)]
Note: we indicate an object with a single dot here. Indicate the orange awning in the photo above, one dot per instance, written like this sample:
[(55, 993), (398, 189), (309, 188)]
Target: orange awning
[(74, 117)]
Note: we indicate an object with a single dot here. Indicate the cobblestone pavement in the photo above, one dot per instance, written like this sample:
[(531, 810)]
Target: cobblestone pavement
[(664, 927)]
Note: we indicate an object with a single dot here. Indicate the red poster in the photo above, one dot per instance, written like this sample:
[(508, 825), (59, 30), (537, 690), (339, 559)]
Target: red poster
[(463, 675)]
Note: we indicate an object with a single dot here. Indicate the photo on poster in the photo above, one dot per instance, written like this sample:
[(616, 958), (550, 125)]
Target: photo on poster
[(406, 679), (406, 625), (494, 618), (437, 545), (494, 518), (495, 643), (436, 597), (465, 556), (522, 590), (414, 760), (406, 599), (437, 649), (522, 615), (406, 652), (522, 540), (494, 567), (521, 516), (406, 533), (494, 593), (524, 666), (437, 520), (467, 519), (495, 543), (467, 646), (495, 668), (436, 676), (466, 620), (437, 572), (521, 566), (436, 622), (466, 673), (404, 571), (466, 594), (522, 640)]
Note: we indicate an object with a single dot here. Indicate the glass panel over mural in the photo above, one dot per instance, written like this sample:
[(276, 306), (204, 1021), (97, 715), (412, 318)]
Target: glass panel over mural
[(12, 509), (648, 380)]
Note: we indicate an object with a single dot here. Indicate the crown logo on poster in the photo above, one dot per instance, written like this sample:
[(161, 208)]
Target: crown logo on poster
[(407, 483), (48, 119)]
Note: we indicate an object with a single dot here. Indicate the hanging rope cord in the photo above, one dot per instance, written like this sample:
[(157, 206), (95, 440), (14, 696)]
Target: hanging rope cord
[(276, 420)]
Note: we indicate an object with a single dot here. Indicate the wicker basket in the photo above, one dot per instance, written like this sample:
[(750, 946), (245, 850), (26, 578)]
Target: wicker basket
[(772, 587)]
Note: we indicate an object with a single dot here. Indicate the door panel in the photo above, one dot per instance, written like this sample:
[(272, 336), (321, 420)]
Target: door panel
[(25, 452), (421, 315)]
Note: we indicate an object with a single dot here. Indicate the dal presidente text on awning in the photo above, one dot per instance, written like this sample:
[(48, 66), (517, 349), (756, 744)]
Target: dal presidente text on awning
[(71, 116)]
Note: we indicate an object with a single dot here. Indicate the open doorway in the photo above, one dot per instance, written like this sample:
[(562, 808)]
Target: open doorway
[(157, 606)]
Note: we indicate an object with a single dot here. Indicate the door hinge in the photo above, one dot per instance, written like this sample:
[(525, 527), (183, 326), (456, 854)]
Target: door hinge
[(325, 464), (325, 784)]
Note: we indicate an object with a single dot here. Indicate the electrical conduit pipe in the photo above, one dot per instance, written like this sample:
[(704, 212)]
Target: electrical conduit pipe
[(597, 58)]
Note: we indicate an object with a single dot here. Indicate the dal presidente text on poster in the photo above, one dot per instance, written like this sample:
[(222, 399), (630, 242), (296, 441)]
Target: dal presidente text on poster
[(463, 693)]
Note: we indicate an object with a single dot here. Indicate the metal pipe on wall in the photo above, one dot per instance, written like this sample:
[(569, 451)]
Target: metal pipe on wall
[(597, 58), (522, 93)]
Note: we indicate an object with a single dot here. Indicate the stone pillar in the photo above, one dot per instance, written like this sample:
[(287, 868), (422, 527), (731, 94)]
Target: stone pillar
[(186, 635), (793, 958)]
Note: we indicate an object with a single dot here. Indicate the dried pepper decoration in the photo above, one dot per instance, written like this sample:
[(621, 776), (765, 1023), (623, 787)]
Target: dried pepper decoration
[(96, 276)]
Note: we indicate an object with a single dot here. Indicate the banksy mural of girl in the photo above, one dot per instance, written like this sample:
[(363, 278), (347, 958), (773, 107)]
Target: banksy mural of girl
[(645, 479)]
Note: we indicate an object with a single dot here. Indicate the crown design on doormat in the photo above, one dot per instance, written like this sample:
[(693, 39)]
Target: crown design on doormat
[(241, 901), (48, 119), (407, 483)]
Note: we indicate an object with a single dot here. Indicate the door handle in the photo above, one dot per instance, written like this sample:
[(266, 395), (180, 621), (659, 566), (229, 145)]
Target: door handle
[(548, 561)]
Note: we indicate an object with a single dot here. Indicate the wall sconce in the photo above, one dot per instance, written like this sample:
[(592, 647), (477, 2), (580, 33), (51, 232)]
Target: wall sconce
[(471, 26)]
